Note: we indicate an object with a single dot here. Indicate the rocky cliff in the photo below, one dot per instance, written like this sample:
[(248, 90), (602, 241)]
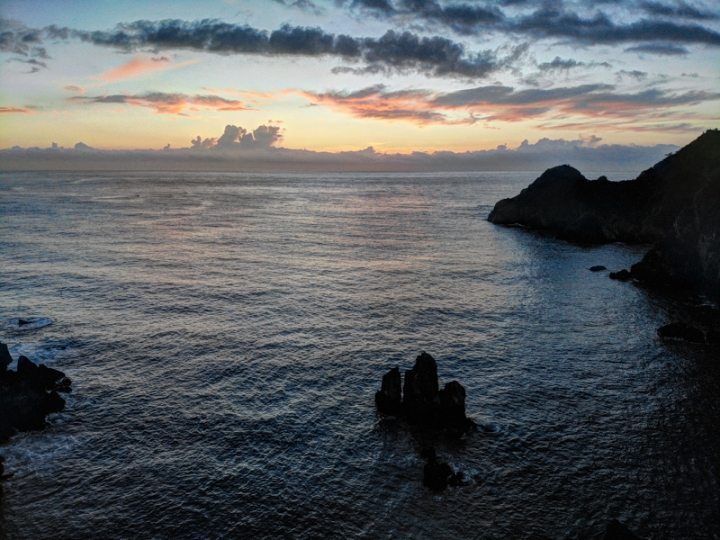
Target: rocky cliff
[(674, 205)]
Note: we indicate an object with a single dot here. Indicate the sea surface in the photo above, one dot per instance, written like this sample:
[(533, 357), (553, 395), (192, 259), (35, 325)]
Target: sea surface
[(226, 333)]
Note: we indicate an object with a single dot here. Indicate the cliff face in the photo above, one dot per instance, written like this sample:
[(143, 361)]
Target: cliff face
[(675, 205)]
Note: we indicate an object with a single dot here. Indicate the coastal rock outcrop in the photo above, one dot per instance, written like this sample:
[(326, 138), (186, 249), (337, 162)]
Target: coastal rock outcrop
[(28, 394), (422, 402), (674, 205), (565, 203)]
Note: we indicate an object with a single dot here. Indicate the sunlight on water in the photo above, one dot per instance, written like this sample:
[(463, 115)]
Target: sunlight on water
[(226, 333)]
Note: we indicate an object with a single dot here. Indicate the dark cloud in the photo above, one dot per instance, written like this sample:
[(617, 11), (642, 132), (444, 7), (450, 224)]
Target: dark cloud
[(16, 38), (560, 64), (550, 22), (305, 5), (430, 55), (505, 95), (380, 5), (634, 74), (34, 64), (588, 99), (24, 42), (661, 49), (553, 19), (679, 10), (463, 18), (394, 51)]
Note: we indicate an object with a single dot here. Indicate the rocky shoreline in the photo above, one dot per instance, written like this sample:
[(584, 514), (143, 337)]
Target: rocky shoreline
[(675, 206)]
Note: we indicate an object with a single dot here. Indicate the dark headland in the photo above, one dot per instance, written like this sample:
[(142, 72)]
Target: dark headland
[(674, 205)]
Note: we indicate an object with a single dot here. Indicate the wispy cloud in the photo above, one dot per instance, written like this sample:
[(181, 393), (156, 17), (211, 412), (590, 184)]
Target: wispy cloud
[(504, 103), (660, 49), (164, 103), (377, 103), (16, 110), (134, 67), (566, 64)]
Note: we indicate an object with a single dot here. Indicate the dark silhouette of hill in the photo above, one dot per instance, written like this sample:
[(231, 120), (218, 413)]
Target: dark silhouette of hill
[(674, 205)]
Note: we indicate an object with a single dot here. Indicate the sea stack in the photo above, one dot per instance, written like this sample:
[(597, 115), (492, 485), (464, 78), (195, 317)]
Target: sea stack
[(422, 402)]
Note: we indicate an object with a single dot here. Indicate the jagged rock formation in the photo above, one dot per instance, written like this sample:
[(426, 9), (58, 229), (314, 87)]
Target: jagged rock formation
[(674, 205), (421, 401), (28, 395)]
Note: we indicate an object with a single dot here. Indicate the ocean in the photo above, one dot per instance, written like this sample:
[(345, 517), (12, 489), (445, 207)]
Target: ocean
[(226, 333)]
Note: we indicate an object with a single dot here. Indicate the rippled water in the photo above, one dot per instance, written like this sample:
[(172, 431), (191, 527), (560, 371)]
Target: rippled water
[(226, 333)]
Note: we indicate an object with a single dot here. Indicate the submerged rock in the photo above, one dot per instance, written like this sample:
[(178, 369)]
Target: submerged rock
[(622, 275), (435, 474), (682, 332), (438, 476), (28, 394), (617, 531), (597, 268), (713, 337), (421, 401)]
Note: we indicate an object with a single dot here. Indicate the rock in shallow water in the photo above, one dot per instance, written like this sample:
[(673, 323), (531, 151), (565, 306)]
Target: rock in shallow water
[(27, 395), (422, 402), (622, 275), (682, 332), (438, 476), (617, 531)]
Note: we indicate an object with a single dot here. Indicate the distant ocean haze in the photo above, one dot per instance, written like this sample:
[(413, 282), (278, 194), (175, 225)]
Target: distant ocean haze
[(226, 333)]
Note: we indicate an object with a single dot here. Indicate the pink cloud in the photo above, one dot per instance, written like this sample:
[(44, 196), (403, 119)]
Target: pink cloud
[(137, 65), (16, 110)]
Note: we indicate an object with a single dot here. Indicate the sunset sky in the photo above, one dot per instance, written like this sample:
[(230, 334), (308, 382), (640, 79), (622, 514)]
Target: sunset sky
[(399, 76)]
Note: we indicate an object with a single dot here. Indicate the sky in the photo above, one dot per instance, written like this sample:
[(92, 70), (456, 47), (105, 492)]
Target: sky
[(354, 84)]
